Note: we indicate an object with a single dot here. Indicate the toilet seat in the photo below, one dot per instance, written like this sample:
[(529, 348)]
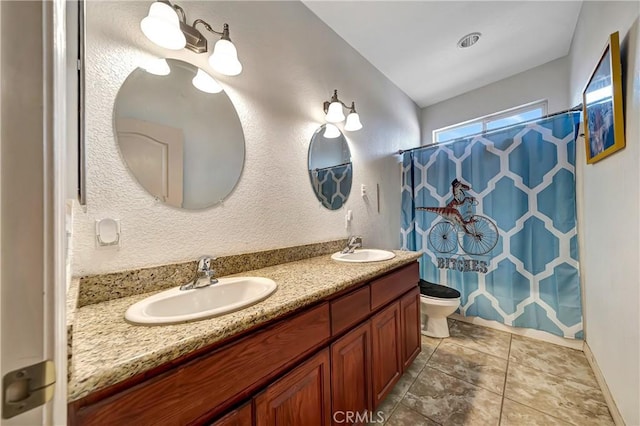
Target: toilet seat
[(437, 291), (437, 301)]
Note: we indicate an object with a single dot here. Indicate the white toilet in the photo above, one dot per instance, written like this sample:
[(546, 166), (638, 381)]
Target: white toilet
[(437, 302)]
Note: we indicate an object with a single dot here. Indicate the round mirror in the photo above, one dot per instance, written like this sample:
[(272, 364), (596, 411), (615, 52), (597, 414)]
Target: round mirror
[(179, 134), (330, 168)]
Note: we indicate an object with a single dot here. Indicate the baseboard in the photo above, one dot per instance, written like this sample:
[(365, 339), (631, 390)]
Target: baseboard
[(526, 332), (613, 408)]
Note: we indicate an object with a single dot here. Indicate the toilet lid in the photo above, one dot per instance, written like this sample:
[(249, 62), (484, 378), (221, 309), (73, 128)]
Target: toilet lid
[(437, 290)]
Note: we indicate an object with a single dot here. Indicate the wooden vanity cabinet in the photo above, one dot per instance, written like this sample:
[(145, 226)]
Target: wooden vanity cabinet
[(207, 386), (351, 371), (411, 340), (342, 354), (302, 397), (395, 330), (242, 416), (386, 359)]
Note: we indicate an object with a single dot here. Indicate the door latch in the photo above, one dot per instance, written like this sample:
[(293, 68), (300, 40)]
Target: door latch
[(27, 388)]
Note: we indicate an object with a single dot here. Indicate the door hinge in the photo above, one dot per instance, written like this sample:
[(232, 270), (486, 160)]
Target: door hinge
[(27, 388)]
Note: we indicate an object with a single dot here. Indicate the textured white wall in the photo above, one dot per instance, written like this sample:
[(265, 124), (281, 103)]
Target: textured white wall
[(548, 81), (608, 211), (292, 63)]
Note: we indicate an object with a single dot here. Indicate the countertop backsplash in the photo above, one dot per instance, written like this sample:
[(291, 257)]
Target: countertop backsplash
[(101, 288)]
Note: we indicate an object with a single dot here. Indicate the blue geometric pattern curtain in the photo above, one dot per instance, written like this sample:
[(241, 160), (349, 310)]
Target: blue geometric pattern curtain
[(495, 216), (332, 184)]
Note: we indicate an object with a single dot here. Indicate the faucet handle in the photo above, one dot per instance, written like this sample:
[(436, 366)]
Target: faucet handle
[(204, 263), (352, 243), (355, 239)]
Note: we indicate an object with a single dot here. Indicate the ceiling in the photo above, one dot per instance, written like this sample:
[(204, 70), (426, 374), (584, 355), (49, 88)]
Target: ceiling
[(414, 43)]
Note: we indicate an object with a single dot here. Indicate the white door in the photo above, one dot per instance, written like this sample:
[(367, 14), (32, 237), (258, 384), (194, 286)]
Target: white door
[(31, 210), (154, 153)]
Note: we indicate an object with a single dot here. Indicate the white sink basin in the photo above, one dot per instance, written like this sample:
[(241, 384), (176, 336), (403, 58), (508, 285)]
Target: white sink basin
[(175, 305), (363, 255)]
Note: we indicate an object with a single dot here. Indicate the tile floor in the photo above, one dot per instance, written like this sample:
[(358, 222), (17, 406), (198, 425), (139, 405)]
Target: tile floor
[(481, 376)]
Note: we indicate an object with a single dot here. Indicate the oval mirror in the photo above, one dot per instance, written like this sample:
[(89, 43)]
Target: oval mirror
[(330, 168), (179, 134)]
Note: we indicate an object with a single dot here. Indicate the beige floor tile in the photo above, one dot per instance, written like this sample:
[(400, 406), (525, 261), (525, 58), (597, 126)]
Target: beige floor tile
[(483, 339), (422, 358), (394, 397), (405, 416), (553, 359), (450, 401), (514, 414), (566, 399), (429, 344), (469, 365), (387, 406), (400, 389)]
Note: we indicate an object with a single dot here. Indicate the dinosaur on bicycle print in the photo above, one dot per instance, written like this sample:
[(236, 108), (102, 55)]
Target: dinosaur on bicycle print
[(474, 234)]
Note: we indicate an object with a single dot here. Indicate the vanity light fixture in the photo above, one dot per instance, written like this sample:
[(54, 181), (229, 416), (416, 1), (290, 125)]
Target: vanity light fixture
[(166, 25), (204, 82), (162, 26), (334, 114), (353, 120)]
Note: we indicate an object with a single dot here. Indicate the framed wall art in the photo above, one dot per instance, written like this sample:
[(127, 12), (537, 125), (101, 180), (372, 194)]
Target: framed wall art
[(602, 105)]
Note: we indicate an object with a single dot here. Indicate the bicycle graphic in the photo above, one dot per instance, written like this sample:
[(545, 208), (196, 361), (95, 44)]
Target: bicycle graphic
[(475, 234)]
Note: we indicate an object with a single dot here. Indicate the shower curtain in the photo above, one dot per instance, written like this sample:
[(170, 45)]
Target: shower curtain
[(495, 215)]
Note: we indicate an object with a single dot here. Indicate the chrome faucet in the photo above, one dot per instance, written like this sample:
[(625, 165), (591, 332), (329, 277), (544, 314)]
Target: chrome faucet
[(205, 276), (352, 244)]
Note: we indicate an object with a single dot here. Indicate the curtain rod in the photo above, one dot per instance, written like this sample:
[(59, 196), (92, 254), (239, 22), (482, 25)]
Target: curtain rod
[(331, 167), (573, 109)]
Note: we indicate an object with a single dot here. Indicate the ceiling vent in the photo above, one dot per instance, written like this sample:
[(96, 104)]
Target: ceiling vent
[(469, 40)]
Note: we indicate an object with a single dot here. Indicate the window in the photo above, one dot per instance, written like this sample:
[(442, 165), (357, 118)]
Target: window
[(500, 119)]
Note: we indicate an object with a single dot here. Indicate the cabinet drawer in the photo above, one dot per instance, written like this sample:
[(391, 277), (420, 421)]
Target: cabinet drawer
[(392, 286), (205, 387), (350, 309)]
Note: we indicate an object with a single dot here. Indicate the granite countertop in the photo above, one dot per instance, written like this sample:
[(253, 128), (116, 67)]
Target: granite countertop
[(107, 349)]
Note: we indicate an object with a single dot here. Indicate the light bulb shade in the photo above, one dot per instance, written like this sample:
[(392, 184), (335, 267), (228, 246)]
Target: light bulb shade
[(225, 58), (204, 82), (353, 122), (157, 66), (162, 27), (331, 131), (334, 113)]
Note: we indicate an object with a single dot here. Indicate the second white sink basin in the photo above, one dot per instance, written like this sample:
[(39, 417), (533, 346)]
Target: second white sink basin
[(364, 255), (175, 305)]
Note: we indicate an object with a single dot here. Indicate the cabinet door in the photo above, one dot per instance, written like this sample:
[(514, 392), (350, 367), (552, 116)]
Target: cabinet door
[(410, 317), (351, 371), (302, 397), (385, 360), (239, 417)]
